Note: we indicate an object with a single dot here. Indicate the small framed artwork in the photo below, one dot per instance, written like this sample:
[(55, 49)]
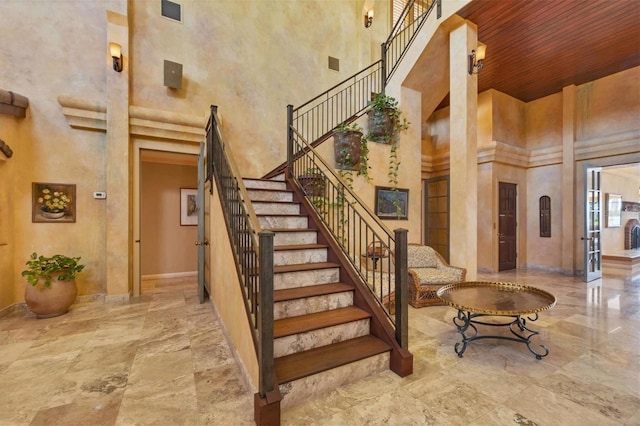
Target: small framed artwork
[(614, 210), (53, 202), (188, 206), (392, 203)]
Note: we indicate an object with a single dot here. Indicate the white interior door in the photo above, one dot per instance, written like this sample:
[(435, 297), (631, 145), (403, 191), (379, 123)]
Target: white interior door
[(593, 224)]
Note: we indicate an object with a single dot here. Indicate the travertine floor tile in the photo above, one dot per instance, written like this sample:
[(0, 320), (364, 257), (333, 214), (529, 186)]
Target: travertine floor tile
[(162, 359)]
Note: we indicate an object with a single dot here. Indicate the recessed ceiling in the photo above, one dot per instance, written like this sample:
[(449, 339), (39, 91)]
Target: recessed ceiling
[(535, 48)]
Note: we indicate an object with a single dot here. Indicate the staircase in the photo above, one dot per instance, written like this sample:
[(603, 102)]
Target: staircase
[(322, 339)]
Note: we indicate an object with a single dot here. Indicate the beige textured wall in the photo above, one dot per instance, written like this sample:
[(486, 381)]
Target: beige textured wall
[(609, 105), (47, 51), (166, 247), (544, 122), (538, 125), (251, 58), (508, 119), (226, 293), (487, 229), (544, 252)]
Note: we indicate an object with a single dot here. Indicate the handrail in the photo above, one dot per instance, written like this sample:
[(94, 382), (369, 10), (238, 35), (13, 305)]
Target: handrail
[(253, 257), (328, 168), (371, 248), (234, 169), (404, 31)]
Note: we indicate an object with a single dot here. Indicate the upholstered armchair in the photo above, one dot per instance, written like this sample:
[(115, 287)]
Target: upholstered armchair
[(428, 271)]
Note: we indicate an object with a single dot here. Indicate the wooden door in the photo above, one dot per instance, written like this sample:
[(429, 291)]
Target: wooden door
[(436, 229), (507, 225), (203, 231)]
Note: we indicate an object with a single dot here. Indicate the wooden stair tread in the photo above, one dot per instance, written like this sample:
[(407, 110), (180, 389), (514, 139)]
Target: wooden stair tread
[(309, 322), (303, 364), (303, 267), (299, 247), (292, 230), (310, 291)]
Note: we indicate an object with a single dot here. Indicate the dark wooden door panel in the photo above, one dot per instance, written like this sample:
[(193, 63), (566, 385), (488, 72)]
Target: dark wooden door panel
[(507, 224)]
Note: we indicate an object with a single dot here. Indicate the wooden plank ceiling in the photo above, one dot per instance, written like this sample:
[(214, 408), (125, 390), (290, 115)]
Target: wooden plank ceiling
[(535, 48)]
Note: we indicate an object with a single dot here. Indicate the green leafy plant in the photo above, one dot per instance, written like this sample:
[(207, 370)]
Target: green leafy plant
[(385, 124), (46, 269)]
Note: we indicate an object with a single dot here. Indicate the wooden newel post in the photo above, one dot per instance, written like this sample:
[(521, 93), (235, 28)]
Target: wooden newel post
[(401, 290)]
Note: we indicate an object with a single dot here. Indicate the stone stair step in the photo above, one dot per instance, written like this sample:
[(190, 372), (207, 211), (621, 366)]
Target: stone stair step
[(303, 253), (275, 207), (264, 183), (283, 221), (304, 274), (313, 361), (294, 236), (270, 195)]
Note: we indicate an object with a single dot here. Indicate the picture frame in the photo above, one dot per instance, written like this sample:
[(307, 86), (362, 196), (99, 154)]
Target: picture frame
[(392, 203), (53, 202), (614, 210), (188, 207)]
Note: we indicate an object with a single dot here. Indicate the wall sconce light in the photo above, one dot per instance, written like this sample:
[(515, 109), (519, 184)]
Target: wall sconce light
[(116, 54), (368, 18), (476, 59)]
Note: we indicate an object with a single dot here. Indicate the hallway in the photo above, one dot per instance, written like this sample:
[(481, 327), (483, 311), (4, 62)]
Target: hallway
[(162, 359)]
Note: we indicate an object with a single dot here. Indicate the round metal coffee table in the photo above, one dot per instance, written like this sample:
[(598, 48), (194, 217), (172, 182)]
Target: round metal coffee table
[(476, 300)]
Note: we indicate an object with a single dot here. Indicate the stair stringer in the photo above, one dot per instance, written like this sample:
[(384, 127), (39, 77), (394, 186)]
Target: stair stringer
[(401, 360)]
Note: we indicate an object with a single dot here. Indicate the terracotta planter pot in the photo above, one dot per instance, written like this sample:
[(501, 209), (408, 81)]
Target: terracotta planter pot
[(47, 302), (313, 184), (347, 147), (380, 125)]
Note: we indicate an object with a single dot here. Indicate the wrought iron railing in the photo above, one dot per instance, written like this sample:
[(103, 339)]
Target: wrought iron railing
[(378, 256), (252, 248), (413, 16), (316, 119)]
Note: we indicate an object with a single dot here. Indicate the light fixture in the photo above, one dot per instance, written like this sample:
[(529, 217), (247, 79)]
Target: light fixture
[(116, 54), (368, 18), (476, 59)]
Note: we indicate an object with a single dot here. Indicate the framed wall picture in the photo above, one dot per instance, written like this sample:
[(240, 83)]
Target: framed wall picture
[(614, 210), (392, 203), (53, 202), (188, 206)]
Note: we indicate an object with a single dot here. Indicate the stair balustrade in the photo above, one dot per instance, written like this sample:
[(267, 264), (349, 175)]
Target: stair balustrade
[(359, 232), (376, 254), (252, 249)]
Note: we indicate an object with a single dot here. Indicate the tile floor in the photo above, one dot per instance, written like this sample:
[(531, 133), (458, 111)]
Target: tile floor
[(162, 359)]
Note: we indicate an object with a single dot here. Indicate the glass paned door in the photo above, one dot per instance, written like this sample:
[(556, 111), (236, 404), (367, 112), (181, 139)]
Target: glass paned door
[(593, 225)]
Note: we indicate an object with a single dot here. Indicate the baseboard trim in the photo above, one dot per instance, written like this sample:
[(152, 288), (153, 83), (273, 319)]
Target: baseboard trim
[(169, 275)]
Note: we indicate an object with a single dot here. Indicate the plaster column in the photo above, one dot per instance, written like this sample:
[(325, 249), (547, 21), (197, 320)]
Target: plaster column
[(568, 178), (118, 251), (463, 211)]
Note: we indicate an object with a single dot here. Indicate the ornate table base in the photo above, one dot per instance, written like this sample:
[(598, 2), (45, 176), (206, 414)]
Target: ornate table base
[(517, 326)]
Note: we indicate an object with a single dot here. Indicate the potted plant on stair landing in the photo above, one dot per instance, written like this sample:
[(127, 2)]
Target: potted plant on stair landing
[(51, 286)]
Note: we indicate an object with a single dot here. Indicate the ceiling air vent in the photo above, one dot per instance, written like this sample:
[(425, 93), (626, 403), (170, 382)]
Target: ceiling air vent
[(171, 10)]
